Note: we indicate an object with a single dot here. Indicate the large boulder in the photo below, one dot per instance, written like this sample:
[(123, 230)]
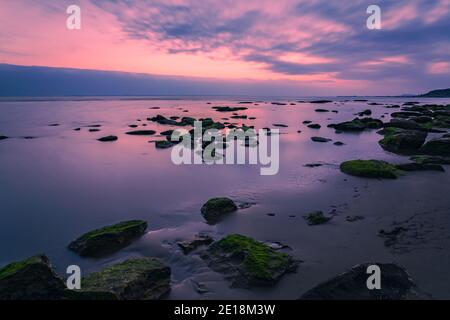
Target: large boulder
[(437, 147), (133, 279), (396, 284), (247, 262), (370, 169), (405, 142), (30, 279), (215, 209), (358, 124), (108, 239)]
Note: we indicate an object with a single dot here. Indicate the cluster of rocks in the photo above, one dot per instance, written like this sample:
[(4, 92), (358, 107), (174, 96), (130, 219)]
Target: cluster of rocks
[(137, 278)]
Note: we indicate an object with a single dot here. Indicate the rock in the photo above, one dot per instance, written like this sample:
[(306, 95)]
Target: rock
[(229, 109), (396, 284), (314, 126), (167, 133), (405, 114), (358, 124), (321, 101), (164, 144), (215, 209), (437, 147), (108, 138), (190, 245), (414, 166), (307, 122), (366, 112), (404, 142), (53, 125), (280, 125), (3, 137), (133, 125), (313, 165), (94, 130), (370, 169), (447, 135), (322, 110), (404, 124), (353, 218), (316, 218), (279, 103), (339, 143), (30, 279), (108, 239), (320, 139), (77, 129), (133, 279), (162, 120), (431, 159), (141, 132), (239, 117), (247, 262)]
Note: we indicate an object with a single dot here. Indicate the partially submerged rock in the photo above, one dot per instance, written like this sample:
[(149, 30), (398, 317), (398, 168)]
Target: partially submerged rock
[(199, 240), (30, 279), (141, 132), (321, 101), (414, 166), (396, 284), (108, 239), (247, 262), (229, 109), (3, 137), (370, 169), (314, 126), (404, 142), (358, 124), (215, 209), (437, 147), (316, 218), (320, 139), (133, 279), (431, 159), (108, 138), (163, 144)]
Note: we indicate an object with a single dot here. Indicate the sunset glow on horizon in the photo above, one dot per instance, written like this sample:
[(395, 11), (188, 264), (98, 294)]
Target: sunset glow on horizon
[(321, 47)]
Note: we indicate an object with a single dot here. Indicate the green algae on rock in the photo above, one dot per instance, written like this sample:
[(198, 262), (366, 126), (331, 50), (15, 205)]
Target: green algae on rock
[(316, 218), (370, 169), (216, 209), (108, 239), (30, 279), (133, 279), (247, 262), (404, 142), (437, 147)]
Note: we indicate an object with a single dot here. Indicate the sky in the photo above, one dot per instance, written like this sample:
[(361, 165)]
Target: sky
[(302, 47)]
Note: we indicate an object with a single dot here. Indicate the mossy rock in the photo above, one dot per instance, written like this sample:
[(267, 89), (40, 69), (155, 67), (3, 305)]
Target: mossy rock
[(370, 169), (247, 262), (423, 159), (108, 239), (316, 218), (405, 142), (437, 147), (164, 144), (414, 166), (133, 279), (215, 209), (30, 279), (396, 284)]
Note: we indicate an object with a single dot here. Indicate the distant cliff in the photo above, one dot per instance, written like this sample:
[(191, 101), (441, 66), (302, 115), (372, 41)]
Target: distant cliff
[(440, 93)]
